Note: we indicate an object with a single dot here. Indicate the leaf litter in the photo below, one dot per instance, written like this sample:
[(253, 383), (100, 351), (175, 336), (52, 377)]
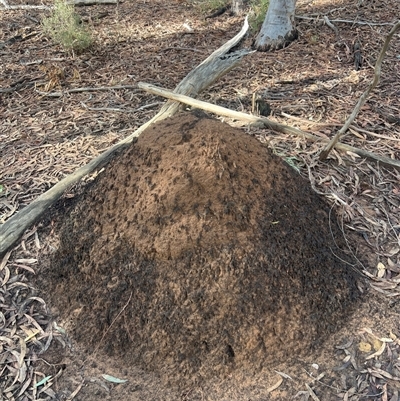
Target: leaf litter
[(45, 137), (26, 331)]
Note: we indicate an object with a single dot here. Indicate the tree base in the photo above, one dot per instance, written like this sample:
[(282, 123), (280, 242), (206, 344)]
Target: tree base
[(278, 28), (266, 44)]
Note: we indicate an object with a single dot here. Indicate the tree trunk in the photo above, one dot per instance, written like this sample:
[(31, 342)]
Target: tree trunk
[(278, 28), (237, 6)]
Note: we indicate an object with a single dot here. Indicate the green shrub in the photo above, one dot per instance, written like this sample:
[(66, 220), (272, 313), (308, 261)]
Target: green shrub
[(64, 27), (258, 11)]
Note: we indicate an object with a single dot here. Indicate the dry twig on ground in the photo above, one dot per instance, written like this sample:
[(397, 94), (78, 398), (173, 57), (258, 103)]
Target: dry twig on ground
[(377, 73), (264, 121), (41, 7), (201, 77)]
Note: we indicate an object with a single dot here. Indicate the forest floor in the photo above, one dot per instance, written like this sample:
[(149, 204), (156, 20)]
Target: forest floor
[(58, 111)]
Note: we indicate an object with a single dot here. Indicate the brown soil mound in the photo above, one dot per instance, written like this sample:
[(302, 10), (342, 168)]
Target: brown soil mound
[(198, 252)]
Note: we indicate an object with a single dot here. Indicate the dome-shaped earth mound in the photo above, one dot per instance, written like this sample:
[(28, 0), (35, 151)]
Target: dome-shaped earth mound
[(198, 252)]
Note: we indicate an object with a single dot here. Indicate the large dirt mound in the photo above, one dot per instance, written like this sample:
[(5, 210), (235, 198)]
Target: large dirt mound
[(198, 252)]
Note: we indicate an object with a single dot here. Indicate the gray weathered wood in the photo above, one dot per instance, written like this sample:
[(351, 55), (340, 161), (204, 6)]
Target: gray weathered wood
[(42, 7), (278, 28), (91, 2), (200, 78), (222, 111)]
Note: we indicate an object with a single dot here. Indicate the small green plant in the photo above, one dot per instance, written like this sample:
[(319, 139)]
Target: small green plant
[(258, 11), (294, 162), (206, 6), (64, 27)]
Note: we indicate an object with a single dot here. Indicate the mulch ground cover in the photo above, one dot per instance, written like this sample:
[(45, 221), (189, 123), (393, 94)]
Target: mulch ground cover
[(58, 111)]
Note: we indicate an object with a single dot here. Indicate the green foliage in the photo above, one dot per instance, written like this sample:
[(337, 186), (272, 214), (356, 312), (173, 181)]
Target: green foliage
[(294, 162), (64, 27), (210, 5), (258, 11)]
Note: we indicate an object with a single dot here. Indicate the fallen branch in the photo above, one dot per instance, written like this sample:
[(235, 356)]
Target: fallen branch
[(353, 128), (211, 69), (222, 111), (72, 2), (27, 7), (329, 23), (189, 49), (356, 130), (377, 73), (81, 3), (89, 89), (17, 87), (345, 21), (121, 110), (17, 38)]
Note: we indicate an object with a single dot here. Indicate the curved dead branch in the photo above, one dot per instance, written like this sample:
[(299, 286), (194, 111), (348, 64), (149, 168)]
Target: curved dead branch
[(222, 111), (201, 77), (377, 73)]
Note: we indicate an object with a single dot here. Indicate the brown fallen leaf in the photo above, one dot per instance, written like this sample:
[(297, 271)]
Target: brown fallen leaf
[(364, 346), (276, 385), (312, 394), (377, 353)]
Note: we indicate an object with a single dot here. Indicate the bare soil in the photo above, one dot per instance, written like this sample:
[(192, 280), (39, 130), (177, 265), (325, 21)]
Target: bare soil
[(201, 264), (196, 253)]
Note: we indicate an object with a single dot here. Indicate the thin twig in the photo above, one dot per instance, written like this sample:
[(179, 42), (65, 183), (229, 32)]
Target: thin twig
[(111, 325), (311, 392), (318, 380), (220, 62), (352, 265), (354, 128), (377, 73), (91, 2), (329, 23), (308, 122), (22, 85), (76, 391), (222, 111), (100, 88), (41, 7), (347, 21), (28, 7), (119, 110), (183, 48)]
